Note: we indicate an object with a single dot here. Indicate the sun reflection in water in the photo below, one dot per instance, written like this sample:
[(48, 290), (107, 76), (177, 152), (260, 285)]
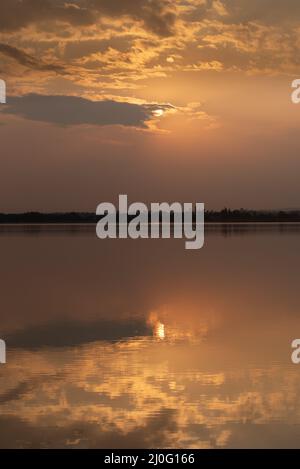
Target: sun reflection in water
[(159, 330), (157, 326)]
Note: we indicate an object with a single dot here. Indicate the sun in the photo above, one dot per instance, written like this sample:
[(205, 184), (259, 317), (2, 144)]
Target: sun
[(158, 112)]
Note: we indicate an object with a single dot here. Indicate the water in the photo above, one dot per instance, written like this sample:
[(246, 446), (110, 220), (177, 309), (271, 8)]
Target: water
[(127, 344)]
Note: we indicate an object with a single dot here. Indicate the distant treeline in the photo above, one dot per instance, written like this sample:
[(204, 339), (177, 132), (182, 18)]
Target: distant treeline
[(242, 215), (222, 216)]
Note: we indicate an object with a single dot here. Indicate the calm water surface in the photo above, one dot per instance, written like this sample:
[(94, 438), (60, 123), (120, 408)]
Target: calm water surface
[(126, 344)]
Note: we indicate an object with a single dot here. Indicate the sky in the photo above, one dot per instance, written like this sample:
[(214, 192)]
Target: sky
[(186, 100)]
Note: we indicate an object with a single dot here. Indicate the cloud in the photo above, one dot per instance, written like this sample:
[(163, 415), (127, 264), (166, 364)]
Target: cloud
[(156, 431), (27, 60), (17, 14), (15, 393), (71, 110), (266, 11), (70, 334), (115, 53), (156, 15), (83, 48), (118, 55)]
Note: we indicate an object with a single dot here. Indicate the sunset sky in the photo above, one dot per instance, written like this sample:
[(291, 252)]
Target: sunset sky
[(186, 100)]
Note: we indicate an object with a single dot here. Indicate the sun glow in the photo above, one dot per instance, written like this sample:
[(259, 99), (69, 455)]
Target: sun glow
[(159, 330), (157, 326), (158, 112)]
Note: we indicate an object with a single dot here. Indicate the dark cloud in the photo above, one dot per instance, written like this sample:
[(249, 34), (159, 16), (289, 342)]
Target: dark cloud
[(69, 334), (16, 14), (156, 15), (71, 110), (265, 11), (16, 393), (28, 61), (156, 432), (77, 49)]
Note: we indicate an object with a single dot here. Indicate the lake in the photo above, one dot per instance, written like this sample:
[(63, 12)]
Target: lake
[(143, 344)]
